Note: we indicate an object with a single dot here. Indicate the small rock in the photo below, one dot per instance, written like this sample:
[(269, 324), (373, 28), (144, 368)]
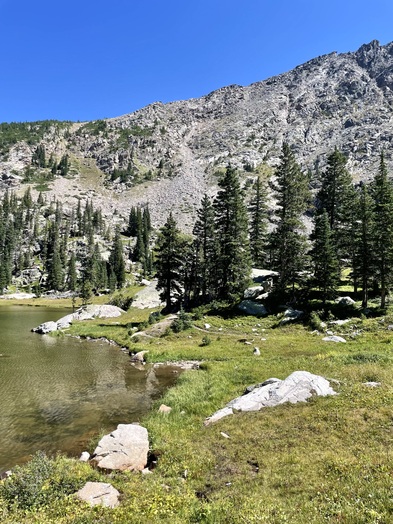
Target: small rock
[(207, 326), (339, 322), (256, 352), (139, 357), (345, 301), (334, 338), (84, 456), (146, 471), (372, 384), (224, 435), (99, 493), (164, 409)]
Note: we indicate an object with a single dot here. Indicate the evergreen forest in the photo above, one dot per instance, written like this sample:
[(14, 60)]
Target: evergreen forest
[(310, 230)]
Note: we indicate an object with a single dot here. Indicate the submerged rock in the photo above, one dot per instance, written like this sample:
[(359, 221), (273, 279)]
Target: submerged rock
[(298, 387), (126, 448)]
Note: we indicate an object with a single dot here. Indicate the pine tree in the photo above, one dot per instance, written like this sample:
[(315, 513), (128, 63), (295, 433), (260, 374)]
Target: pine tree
[(337, 196), (38, 157), (72, 280), (324, 258), (64, 165), (169, 263), (203, 280), (139, 248), (233, 260), (116, 260), (288, 240), (363, 262), (258, 226), (382, 194), (132, 223)]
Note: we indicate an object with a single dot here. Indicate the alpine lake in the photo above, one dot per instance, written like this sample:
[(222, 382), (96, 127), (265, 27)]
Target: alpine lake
[(57, 393)]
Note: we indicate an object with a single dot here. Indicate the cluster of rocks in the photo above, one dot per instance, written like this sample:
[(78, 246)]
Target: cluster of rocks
[(84, 313), (125, 449)]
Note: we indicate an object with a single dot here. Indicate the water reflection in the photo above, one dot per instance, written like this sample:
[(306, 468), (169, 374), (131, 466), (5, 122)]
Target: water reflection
[(58, 392)]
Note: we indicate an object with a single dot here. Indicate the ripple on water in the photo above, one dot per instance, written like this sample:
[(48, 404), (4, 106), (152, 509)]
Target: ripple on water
[(58, 392)]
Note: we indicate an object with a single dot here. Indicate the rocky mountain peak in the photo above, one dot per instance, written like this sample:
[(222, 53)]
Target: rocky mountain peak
[(168, 155)]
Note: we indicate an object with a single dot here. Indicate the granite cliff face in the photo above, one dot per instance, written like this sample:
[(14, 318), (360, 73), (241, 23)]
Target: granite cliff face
[(167, 154)]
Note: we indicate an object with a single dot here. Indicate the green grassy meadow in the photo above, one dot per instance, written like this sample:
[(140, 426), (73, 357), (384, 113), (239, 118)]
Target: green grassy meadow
[(328, 460)]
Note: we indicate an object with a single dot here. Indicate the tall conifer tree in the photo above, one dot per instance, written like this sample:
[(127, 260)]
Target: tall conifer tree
[(233, 260), (204, 281), (382, 194), (288, 240), (324, 258), (258, 225), (169, 263)]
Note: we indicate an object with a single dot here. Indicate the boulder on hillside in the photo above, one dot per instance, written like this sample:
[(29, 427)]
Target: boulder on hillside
[(345, 301), (297, 387), (148, 297), (290, 315), (126, 448), (252, 308), (253, 292), (99, 493)]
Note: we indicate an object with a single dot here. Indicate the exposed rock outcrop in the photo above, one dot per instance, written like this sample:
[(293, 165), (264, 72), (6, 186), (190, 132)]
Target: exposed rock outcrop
[(298, 387), (336, 100), (148, 297), (84, 313)]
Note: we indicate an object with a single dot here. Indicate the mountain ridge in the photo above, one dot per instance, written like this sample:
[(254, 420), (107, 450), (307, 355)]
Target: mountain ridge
[(168, 155)]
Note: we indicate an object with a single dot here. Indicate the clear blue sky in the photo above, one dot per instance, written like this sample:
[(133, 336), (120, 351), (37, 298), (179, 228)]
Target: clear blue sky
[(84, 60)]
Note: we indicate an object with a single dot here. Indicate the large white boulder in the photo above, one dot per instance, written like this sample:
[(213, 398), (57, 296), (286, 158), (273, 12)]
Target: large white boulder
[(298, 387), (126, 448), (83, 313)]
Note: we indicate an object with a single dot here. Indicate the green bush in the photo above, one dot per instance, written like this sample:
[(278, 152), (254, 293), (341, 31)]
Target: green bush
[(183, 322), (315, 321), (43, 479), (206, 341), (121, 300)]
